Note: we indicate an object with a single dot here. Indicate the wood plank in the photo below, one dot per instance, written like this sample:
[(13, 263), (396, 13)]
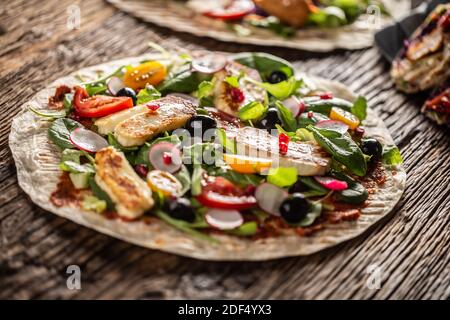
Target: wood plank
[(411, 245)]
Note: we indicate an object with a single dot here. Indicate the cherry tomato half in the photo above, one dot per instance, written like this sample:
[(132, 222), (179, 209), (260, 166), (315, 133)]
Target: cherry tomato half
[(99, 105)]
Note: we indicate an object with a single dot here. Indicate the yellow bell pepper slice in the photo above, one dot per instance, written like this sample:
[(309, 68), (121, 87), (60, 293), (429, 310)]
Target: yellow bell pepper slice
[(164, 182), (245, 164), (346, 117), (151, 72)]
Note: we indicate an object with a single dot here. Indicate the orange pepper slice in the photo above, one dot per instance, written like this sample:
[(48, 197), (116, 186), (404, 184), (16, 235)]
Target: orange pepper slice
[(245, 164), (151, 72)]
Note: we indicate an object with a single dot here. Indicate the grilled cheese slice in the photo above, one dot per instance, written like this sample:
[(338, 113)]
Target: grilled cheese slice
[(107, 124), (308, 158), (114, 175), (173, 113)]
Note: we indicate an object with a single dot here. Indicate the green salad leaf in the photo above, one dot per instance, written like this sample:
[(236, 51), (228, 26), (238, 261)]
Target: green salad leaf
[(184, 176), (392, 155), (252, 111), (245, 230), (355, 194), (68, 102), (148, 94), (286, 117), (196, 181), (315, 210), (49, 114), (100, 194), (316, 189), (92, 203), (229, 145), (113, 142), (74, 167), (60, 130), (265, 63), (282, 177), (359, 108), (283, 89), (342, 148), (184, 80), (323, 106)]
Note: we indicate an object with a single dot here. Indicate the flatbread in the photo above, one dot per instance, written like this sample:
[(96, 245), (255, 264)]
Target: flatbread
[(37, 160), (175, 15)]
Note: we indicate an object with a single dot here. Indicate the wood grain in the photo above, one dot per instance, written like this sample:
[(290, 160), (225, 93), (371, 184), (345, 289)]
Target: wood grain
[(411, 246)]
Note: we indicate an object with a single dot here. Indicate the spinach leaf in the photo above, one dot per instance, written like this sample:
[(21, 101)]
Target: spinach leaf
[(184, 81), (113, 142), (342, 148), (317, 189), (252, 111), (60, 130), (287, 119), (355, 194), (148, 94), (359, 108), (391, 155), (100, 194), (265, 63), (315, 104), (304, 120)]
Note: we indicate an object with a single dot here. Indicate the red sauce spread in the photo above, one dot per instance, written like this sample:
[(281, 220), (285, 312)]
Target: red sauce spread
[(66, 194), (56, 101)]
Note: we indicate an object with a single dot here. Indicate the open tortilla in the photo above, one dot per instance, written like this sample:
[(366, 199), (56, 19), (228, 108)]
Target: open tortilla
[(175, 15), (37, 160)]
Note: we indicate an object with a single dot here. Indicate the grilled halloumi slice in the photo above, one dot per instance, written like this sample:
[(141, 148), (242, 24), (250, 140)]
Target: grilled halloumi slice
[(107, 124), (308, 158), (222, 90), (114, 175), (173, 113)]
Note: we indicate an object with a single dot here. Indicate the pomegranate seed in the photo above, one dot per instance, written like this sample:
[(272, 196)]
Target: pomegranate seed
[(237, 95), (141, 170), (310, 114), (152, 107), (250, 190), (167, 158), (326, 96), (283, 143)]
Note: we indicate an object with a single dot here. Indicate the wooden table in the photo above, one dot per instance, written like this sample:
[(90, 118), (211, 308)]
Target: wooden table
[(411, 247)]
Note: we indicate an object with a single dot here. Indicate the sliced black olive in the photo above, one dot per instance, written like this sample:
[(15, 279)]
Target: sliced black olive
[(277, 77), (270, 120), (294, 208), (180, 209), (127, 92), (372, 147), (199, 124)]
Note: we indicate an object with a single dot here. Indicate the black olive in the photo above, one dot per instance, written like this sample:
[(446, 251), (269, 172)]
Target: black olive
[(294, 208), (199, 124), (270, 120), (298, 186), (372, 147), (180, 209), (127, 92), (277, 77)]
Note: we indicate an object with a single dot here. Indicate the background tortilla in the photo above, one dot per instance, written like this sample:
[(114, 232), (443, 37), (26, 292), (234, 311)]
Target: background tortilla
[(37, 160), (175, 15)]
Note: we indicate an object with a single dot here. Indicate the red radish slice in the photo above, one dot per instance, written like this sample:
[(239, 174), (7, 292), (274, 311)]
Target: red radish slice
[(209, 63), (185, 97), (114, 84), (165, 156), (295, 105), (331, 183), (224, 219), (87, 140), (270, 197), (335, 125), (235, 10)]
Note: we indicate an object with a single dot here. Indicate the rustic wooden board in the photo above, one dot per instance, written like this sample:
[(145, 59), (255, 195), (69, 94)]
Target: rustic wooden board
[(411, 246)]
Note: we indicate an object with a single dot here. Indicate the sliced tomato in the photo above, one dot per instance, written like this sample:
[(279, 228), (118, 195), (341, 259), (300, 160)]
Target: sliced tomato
[(98, 106), (218, 192), (236, 10)]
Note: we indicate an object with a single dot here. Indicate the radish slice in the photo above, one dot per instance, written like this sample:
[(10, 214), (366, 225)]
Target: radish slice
[(209, 63), (335, 125), (331, 183), (270, 197), (114, 84), (185, 97), (165, 156), (224, 219), (295, 105), (87, 140)]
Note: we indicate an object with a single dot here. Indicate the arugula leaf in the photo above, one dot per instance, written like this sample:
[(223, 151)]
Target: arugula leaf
[(392, 155), (60, 130), (228, 144), (359, 108), (148, 94), (184, 176), (49, 114), (252, 111), (196, 181), (282, 177), (287, 119), (315, 104), (116, 73), (265, 63), (95, 88), (342, 148)]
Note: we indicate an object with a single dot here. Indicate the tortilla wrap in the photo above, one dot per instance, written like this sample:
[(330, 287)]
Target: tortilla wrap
[(37, 160), (176, 16)]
